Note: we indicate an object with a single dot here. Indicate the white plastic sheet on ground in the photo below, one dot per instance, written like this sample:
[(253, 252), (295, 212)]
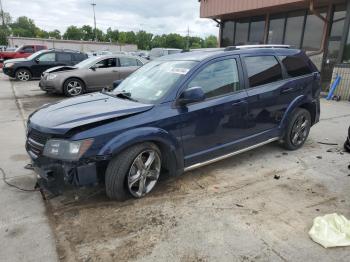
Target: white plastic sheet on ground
[(331, 230)]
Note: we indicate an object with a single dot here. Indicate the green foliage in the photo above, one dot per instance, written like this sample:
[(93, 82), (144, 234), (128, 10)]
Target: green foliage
[(25, 27), (73, 33), (144, 40)]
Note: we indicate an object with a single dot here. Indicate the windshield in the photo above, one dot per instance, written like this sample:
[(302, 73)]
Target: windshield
[(87, 62), (151, 82)]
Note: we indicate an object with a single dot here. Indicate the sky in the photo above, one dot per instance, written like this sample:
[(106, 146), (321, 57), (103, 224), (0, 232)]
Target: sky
[(154, 16)]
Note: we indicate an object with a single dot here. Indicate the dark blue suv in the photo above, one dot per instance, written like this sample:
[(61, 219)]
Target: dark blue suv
[(175, 114)]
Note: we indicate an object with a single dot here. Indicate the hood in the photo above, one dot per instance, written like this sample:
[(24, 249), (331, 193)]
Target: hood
[(60, 117), (16, 60), (60, 69)]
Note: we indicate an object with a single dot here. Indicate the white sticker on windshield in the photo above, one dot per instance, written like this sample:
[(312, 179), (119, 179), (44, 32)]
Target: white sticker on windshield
[(177, 70)]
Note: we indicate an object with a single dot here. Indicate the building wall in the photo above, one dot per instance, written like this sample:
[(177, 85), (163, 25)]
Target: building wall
[(213, 8), (83, 46)]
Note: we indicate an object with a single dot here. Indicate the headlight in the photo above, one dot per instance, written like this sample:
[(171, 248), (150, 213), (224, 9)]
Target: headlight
[(51, 76), (66, 150), (8, 65)]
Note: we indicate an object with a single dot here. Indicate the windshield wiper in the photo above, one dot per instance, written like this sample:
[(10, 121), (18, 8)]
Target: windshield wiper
[(126, 95)]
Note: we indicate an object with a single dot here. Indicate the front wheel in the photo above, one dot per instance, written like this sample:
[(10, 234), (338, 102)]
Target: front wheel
[(298, 129), (73, 87), (23, 75), (134, 172)]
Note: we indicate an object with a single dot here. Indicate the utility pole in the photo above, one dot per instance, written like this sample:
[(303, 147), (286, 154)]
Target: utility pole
[(188, 39), (93, 8), (2, 15)]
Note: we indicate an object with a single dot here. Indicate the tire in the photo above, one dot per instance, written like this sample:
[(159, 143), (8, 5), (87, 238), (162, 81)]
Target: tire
[(23, 75), (347, 146), (298, 129), (73, 87), (124, 178)]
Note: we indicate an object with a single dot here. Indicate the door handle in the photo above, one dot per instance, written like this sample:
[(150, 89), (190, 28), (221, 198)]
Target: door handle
[(287, 90), (238, 103)]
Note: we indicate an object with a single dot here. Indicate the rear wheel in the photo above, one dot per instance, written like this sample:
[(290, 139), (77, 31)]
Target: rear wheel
[(23, 75), (347, 146), (297, 130), (73, 87), (134, 172)]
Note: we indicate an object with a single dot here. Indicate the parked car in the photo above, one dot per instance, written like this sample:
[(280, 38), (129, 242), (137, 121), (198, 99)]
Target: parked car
[(347, 142), (175, 114), (21, 52), (159, 52), (24, 69), (92, 74)]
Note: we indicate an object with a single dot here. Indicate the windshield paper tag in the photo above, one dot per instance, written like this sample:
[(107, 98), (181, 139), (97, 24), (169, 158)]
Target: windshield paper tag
[(180, 71)]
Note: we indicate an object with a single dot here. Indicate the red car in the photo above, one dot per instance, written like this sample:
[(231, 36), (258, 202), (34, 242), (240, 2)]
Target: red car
[(20, 52)]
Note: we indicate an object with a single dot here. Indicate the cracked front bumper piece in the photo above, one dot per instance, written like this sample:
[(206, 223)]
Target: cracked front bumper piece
[(54, 176)]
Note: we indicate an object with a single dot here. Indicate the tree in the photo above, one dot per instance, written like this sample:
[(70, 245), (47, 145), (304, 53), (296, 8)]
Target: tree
[(111, 35), (24, 27), (211, 42), (4, 29), (144, 40), (159, 41), (88, 33), (175, 41), (55, 34), (73, 33)]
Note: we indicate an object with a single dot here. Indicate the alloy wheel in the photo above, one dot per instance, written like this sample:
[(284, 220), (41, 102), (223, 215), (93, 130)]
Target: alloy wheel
[(23, 76), (144, 173), (300, 130), (74, 88)]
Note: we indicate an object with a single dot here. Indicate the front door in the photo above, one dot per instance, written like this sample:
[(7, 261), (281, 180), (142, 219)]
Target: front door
[(102, 74), (42, 63), (211, 128)]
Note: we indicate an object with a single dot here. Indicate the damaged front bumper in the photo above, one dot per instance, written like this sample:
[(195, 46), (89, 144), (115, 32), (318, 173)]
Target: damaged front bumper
[(54, 175)]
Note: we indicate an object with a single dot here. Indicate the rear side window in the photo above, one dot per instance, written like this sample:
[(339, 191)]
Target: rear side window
[(263, 70), (295, 65), (218, 79), (126, 61), (64, 57)]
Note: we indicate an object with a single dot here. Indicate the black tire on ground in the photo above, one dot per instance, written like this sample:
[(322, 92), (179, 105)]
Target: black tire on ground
[(73, 87), (23, 75), (298, 126), (347, 146), (118, 170)]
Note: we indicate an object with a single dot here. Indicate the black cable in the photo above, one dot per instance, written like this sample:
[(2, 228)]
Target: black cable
[(12, 185)]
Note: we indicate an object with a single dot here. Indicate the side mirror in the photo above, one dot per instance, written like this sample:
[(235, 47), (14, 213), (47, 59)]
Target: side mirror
[(117, 83), (93, 68), (192, 95), (37, 60)]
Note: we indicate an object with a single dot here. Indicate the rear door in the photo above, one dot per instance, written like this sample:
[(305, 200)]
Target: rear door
[(270, 92), (127, 65), (64, 59), (214, 127)]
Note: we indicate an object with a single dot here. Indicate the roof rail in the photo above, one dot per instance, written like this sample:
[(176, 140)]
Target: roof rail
[(62, 49), (231, 48)]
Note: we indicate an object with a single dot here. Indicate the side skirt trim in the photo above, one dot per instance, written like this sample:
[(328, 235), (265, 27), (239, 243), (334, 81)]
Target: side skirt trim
[(230, 154)]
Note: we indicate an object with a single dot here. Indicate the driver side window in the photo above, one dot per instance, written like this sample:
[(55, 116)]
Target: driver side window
[(106, 63), (49, 57), (218, 78)]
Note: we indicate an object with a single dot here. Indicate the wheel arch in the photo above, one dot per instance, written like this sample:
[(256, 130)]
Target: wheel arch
[(23, 67), (172, 156), (73, 77), (299, 102)]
